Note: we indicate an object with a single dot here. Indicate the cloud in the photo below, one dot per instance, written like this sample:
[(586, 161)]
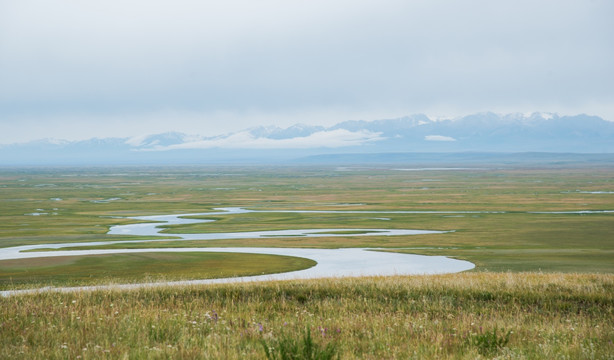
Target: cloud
[(245, 140), (92, 60), (438, 138)]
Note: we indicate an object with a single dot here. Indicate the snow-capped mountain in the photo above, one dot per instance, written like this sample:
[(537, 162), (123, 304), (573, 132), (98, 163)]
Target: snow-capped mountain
[(483, 132)]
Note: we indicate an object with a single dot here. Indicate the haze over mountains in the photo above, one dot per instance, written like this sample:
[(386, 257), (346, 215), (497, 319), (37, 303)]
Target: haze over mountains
[(478, 133)]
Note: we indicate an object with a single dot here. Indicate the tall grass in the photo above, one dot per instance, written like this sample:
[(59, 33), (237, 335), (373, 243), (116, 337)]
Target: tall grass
[(462, 316)]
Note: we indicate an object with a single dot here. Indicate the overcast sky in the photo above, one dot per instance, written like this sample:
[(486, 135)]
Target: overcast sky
[(74, 69)]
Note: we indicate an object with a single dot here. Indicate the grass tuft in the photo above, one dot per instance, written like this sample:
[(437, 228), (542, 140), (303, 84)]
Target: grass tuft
[(489, 343), (288, 347)]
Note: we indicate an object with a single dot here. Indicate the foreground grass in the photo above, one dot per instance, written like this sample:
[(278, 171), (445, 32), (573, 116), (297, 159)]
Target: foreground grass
[(141, 267), (462, 316)]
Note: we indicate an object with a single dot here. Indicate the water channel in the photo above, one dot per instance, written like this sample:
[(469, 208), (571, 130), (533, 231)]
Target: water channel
[(330, 262)]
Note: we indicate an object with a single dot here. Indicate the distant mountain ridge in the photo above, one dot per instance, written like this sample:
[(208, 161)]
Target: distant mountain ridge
[(482, 132)]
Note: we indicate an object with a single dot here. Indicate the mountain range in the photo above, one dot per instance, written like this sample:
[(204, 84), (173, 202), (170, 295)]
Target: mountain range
[(477, 133)]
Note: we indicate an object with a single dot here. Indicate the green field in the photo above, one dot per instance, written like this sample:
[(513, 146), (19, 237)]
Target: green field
[(150, 267), (526, 279), (78, 205)]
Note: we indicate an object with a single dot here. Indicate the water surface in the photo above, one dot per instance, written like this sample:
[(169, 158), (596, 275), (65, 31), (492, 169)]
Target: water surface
[(330, 262)]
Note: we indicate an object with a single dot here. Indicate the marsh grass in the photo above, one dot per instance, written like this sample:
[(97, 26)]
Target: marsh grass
[(548, 316), (70, 200)]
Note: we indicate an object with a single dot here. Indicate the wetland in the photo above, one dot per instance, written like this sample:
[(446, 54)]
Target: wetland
[(540, 242)]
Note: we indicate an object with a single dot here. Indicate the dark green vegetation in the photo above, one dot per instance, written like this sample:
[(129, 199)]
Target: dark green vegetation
[(126, 268), (288, 347), (461, 316)]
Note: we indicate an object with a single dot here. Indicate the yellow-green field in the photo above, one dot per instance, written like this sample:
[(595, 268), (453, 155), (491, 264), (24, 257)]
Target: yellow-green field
[(79, 205), (525, 299)]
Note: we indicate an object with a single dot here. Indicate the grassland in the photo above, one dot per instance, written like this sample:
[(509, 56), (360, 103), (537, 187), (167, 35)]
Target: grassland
[(462, 316), (526, 284), (78, 205), (151, 267), (511, 238)]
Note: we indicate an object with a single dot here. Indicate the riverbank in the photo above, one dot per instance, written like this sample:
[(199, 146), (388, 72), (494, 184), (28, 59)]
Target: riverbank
[(324, 262)]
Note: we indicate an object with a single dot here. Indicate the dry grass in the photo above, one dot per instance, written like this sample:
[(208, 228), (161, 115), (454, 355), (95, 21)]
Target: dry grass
[(547, 316)]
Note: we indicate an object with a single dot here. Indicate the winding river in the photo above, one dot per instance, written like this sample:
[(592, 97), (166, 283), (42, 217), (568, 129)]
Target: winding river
[(330, 262)]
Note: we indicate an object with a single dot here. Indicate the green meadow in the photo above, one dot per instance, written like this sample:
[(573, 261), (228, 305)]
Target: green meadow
[(542, 245), (139, 267), (79, 205)]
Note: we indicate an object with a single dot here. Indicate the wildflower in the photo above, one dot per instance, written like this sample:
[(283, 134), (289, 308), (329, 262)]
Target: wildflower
[(322, 330)]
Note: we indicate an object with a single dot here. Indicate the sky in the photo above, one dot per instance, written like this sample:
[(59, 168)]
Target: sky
[(72, 69)]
